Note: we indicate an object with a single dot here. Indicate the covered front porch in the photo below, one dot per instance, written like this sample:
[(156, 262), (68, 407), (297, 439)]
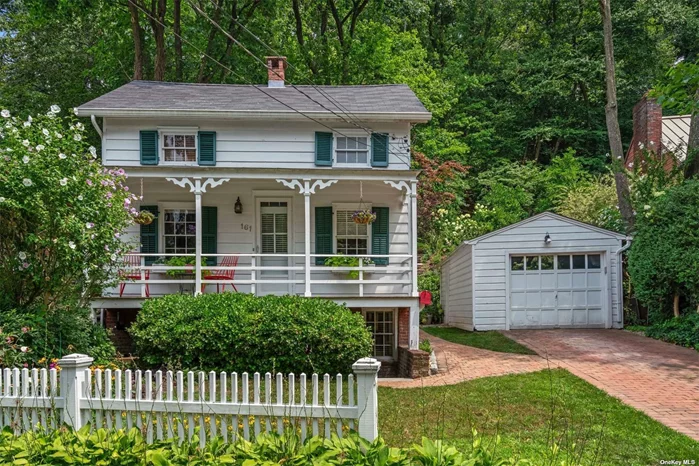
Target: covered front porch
[(268, 232)]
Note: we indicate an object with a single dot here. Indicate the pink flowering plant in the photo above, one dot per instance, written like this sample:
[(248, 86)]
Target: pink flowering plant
[(60, 213)]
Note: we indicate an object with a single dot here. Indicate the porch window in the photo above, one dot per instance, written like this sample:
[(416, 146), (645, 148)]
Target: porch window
[(351, 150), (179, 226), (179, 148), (352, 238), (382, 327)]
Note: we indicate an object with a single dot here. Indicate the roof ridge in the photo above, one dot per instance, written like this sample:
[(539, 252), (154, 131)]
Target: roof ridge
[(338, 86)]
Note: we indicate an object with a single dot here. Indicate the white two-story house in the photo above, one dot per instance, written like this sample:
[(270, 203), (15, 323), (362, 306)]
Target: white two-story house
[(257, 187)]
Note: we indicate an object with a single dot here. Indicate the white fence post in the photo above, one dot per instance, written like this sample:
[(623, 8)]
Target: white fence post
[(367, 372), (72, 382)]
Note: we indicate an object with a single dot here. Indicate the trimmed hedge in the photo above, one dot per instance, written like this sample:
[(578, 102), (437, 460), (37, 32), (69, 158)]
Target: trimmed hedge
[(245, 333)]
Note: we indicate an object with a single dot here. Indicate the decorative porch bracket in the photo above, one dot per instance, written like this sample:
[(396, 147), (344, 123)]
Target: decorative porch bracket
[(411, 192), (306, 188), (198, 187)]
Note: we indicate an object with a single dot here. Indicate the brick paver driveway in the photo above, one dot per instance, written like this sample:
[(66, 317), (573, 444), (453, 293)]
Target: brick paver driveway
[(657, 378)]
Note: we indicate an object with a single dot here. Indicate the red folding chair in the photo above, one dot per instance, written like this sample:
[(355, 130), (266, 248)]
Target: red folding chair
[(132, 271), (224, 274)]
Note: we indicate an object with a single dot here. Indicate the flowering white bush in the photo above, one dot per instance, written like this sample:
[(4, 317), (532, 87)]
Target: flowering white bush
[(60, 213)]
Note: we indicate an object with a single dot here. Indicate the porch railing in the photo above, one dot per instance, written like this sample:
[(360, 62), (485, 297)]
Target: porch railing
[(250, 270)]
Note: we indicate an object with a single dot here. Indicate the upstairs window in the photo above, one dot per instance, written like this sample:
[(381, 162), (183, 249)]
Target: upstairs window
[(179, 148), (352, 150)]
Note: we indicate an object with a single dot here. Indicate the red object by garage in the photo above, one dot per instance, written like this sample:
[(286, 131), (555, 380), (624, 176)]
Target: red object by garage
[(425, 298)]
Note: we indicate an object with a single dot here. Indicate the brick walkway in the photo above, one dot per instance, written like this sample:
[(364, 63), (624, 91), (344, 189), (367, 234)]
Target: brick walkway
[(458, 363), (657, 378)]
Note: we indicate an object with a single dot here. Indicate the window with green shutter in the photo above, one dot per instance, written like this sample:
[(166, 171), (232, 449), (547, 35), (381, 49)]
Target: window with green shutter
[(379, 235), (149, 235), (149, 147), (209, 230), (379, 150), (207, 148), (324, 149), (324, 232)]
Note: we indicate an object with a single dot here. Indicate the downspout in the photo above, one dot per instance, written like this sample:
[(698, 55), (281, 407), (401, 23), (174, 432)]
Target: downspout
[(620, 277), (97, 127)]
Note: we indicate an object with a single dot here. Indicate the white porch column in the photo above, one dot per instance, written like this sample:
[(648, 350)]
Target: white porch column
[(307, 234), (197, 187), (413, 230)]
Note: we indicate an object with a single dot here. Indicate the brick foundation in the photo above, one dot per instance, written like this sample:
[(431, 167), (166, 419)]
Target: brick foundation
[(118, 321), (403, 326), (413, 364)]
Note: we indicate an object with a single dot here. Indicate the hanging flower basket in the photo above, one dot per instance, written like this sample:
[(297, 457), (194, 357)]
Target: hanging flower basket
[(364, 217), (144, 218)]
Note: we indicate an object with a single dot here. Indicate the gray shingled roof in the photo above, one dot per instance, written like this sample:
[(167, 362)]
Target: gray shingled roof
[(141, 96)]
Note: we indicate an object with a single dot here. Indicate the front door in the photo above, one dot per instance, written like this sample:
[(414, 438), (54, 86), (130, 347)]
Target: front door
[(274, 242)]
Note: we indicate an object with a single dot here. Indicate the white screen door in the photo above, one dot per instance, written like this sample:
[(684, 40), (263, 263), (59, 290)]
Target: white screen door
[(273, 239)]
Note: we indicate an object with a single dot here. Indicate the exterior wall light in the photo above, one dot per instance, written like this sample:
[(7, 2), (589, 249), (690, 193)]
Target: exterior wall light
[(547, 239), (238, 206)]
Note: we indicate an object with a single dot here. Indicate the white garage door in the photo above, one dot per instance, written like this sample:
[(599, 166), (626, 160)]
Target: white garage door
[(563, 290)]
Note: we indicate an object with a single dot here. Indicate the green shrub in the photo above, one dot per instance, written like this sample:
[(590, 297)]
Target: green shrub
[(683, 330), (120, 447), (425, 345), (34, 337), (242, 332)]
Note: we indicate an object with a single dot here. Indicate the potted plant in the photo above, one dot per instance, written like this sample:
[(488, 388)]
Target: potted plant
[(364, 216), (144, 218), (188, 266), (335, 262)]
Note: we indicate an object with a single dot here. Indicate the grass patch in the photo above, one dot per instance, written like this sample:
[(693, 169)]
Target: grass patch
[(491, 340), (529, 412)]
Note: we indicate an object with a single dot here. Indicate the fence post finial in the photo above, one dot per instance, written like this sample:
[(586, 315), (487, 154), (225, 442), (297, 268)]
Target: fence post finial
[(72, 381), (367, 373)]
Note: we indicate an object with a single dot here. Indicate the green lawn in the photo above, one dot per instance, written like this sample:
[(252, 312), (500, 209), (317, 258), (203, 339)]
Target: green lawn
[(527, 410), (493, 341)]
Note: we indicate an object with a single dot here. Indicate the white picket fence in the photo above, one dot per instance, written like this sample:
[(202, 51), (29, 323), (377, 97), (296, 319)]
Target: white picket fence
[(166, 405)]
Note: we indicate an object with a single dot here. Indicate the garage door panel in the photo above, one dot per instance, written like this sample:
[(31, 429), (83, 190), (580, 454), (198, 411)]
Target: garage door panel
[(558, 291)]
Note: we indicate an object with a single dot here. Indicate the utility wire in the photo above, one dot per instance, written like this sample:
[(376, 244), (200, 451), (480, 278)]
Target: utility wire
[(259, 60)]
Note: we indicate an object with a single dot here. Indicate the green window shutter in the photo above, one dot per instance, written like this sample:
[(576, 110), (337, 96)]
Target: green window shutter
[(149, 235), (379, 150), (206, 155), (324, 149), (149, 148), (209, 229), (379, 235), (324, 232)]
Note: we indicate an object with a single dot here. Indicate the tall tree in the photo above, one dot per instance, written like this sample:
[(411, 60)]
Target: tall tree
[(612, 118), (137, 34)]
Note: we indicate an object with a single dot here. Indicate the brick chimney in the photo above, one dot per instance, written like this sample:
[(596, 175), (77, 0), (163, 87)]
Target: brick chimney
[(647, 128), (276, 67)]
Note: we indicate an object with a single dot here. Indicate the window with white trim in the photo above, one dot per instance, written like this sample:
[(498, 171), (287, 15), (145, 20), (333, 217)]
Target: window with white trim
[(382, 325), (352, 150), (179, 231), (350, 238), (179, 147)]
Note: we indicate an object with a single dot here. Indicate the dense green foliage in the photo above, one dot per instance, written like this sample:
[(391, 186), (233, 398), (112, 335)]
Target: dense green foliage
[(36, 338), (683, 330), (245, 333), (120, 447), (665, 257)]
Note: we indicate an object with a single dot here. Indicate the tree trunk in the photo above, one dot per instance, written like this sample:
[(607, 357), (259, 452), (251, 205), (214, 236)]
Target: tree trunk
[(176, 29), (137, 34), (611, 113), (204, 76), (691, 168), (159, 34), (676, 305)]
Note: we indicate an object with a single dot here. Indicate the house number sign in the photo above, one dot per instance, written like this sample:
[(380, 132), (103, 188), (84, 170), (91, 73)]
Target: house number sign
[(246, 227)]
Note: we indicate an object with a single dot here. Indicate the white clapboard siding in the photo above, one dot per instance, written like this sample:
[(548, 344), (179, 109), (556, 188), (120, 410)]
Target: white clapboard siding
[(237, 233), (248, 144), (190, 406), (482, 291), (457, 297)]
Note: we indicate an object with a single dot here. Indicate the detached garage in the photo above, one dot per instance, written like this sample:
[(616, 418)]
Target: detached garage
[(547, 271)]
